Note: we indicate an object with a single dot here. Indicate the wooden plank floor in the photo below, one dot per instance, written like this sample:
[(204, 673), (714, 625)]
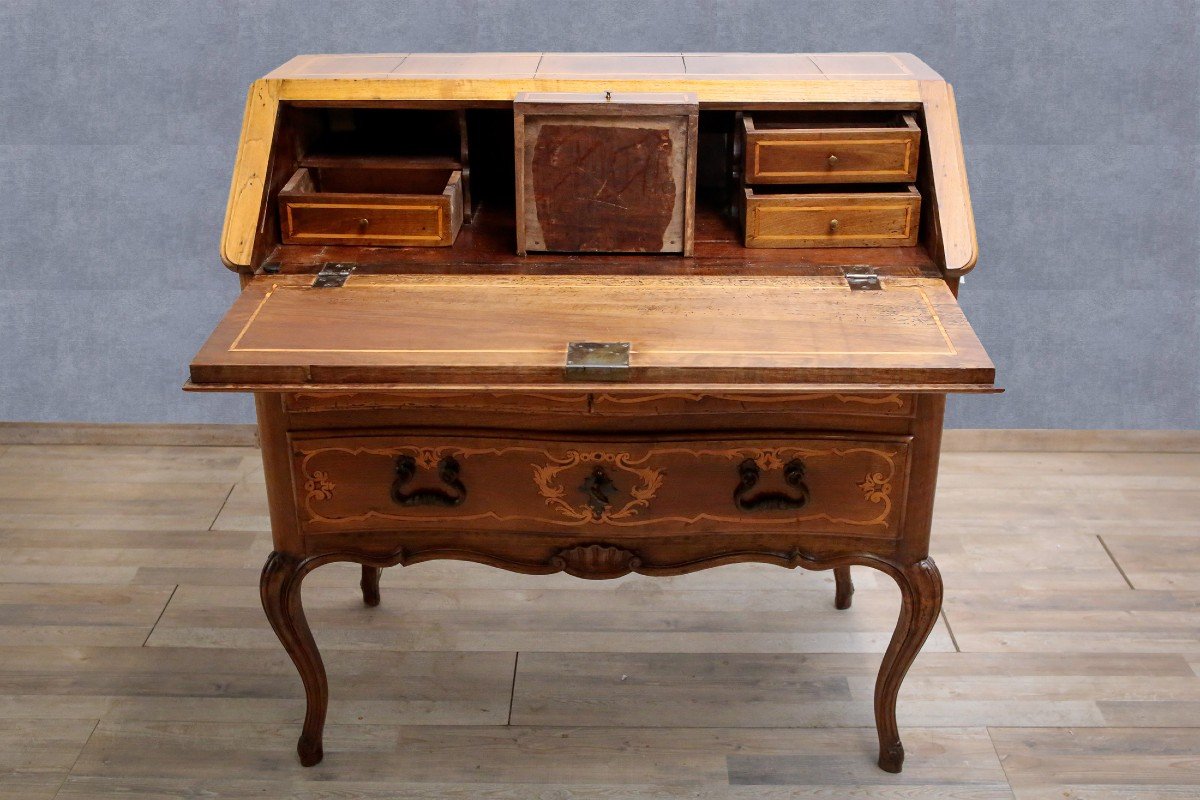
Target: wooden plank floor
[(135, 661)]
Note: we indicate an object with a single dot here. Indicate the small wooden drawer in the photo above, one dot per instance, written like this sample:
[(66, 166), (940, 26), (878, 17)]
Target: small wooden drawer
[(484, 403), (883, 218), (834, 484), (829, 149), (871, 405), (391, 207)]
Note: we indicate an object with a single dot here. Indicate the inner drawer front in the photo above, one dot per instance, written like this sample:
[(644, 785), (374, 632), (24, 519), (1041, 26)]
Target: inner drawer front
[(531, 403), (817, 483), (411, 221), (874, 405), (832, 220), (832, 155)]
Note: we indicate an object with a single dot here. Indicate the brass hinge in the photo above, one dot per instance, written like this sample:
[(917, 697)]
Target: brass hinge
[(597, 361), (861, 278), (332, 276)]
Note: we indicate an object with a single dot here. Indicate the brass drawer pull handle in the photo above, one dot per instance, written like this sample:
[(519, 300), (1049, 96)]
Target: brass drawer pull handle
[(363, 223), (749, 473), (597, 487), (406, 468), (834, 225), (833, 160)]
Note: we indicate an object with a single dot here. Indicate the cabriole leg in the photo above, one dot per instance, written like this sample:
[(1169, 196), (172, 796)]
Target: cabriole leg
[(280, 589), (845, 588), (370, 585), (920, 604)]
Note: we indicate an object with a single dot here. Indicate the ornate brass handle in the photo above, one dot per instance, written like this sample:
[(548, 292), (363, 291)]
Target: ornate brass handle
[(406, 468), (749, 474), (597, 486)]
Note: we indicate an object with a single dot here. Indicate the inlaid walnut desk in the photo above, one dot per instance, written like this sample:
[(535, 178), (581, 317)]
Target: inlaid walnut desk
[(599, 314)]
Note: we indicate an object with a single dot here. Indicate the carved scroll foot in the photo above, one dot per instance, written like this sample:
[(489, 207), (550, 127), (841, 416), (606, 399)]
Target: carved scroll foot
[(920, 604), (370, 585), (280, 590), (845, 588)]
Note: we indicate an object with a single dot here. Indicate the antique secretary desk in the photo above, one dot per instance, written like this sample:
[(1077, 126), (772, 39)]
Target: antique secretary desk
[(599, 314)]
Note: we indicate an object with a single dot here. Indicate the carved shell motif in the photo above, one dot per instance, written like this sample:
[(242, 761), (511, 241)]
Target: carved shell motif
[(596, 561)]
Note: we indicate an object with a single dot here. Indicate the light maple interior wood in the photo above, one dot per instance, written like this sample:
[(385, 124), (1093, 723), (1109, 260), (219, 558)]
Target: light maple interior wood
[(135, 664), (729, 81)]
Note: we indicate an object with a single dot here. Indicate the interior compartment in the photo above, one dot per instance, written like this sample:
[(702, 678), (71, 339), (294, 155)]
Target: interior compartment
[(411, 133), (333, 141), (374, 176), (817, 120)]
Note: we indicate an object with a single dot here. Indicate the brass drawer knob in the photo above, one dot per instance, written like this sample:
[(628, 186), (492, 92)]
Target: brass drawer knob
[(363, 223), (833, 225), (833, 160)]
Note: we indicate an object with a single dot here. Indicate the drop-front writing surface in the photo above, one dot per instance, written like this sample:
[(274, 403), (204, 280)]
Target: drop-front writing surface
[(696, 330), (771, 389)]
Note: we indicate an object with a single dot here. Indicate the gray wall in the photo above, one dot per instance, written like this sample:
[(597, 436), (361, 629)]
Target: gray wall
[(119, 119)]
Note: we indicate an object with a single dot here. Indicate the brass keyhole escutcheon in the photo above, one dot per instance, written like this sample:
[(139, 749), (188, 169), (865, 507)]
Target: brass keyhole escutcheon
[(597, 488)]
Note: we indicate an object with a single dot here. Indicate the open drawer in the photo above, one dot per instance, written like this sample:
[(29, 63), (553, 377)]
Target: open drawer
[(826, 148), (390, 203), (685, 333)]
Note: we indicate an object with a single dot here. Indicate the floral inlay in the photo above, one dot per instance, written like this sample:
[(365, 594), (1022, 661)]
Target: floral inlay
[(319, 487)]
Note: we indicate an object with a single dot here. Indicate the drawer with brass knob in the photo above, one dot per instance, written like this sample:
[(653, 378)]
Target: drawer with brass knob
[(797, 149), (825, 483), (384, 204), (864, 217)]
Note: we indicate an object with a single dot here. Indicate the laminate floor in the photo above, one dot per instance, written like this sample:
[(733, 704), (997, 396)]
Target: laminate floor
[(135, 661)]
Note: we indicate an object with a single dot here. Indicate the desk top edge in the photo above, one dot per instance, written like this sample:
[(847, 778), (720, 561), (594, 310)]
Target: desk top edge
[(536, 67)]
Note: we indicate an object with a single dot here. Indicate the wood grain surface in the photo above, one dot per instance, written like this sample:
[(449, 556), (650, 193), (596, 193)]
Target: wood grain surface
[(486, 330)]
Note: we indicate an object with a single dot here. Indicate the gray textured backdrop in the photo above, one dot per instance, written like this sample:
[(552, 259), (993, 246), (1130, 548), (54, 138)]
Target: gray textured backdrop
[(119, 120)]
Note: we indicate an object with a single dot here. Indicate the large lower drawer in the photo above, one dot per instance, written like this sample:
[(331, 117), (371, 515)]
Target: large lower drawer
[(819, 483)]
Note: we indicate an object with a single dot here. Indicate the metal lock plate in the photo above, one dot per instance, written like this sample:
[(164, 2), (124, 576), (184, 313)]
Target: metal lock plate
[(861, 278), (597, 361), (333, 276)]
